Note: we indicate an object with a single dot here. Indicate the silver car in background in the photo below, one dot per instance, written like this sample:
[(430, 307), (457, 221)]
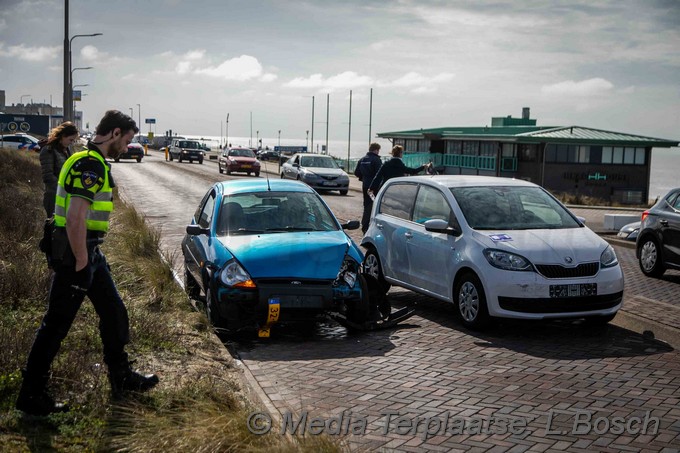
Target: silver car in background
[(318, 171)]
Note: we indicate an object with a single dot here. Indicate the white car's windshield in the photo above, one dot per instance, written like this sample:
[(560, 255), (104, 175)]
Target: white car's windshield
[(273, 212), (511, 208)]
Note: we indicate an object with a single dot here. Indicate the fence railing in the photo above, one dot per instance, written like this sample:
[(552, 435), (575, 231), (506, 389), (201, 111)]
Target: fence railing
[(444, 160)]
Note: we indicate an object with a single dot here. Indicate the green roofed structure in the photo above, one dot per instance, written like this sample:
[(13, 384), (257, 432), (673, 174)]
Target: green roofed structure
[(577, 160)]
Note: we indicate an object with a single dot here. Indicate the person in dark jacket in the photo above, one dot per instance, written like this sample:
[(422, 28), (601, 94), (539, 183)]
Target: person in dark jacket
[(367, 168), (52, 157), (393, 168)]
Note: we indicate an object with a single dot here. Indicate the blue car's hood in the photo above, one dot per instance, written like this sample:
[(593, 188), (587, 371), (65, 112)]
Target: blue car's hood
[(300, 255)]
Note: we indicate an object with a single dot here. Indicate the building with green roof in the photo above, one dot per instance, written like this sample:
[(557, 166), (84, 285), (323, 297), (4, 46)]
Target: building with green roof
[(576, 160)]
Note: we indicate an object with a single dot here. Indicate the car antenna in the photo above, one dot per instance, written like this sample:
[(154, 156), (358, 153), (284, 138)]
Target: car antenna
[(266, 172)]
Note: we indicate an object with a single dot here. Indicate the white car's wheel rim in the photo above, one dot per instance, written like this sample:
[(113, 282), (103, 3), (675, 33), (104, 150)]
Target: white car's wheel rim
[(468, 302), (648, 256), (371, 266)]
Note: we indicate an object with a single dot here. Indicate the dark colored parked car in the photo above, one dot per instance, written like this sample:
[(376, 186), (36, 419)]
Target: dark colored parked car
[(182, 150), (269, 154), (658, 244), (134, 151)]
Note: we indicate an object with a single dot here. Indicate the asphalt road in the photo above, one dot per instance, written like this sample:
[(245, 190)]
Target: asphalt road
[(425, 385)]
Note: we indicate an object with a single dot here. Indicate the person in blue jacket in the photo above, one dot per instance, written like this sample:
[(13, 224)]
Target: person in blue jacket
[(367, 168), (393, 168)]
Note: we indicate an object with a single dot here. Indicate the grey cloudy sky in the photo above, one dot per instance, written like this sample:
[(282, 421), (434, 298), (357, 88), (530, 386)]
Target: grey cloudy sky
[(611, 65)]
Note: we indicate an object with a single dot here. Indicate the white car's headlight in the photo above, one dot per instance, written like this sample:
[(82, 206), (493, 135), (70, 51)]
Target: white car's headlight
[(234, 275), (507, 261), (608, 257)]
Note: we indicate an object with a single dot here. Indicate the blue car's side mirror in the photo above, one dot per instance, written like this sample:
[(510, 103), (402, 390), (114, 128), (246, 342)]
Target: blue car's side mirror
[(196, 230), (351, 225)]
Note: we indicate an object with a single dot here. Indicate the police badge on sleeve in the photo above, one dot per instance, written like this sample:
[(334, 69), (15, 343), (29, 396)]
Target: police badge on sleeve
[(89, 179)]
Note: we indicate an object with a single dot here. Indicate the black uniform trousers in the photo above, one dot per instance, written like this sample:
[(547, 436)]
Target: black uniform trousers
[(64, 303), (368, 206)]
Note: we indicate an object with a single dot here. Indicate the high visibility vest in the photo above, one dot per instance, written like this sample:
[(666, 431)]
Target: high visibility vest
[(97, 219)]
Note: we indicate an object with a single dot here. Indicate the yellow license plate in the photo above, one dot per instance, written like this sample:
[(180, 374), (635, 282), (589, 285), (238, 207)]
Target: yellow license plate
[(272, 317)]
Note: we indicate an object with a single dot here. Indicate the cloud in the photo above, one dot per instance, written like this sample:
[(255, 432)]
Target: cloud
[(91, 54), (194, 54), (30, 53), (584, 88), (240, 69), (414, 81), (345, 80)]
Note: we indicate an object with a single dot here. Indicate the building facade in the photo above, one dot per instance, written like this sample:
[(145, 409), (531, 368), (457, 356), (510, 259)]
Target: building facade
[(576, 160)]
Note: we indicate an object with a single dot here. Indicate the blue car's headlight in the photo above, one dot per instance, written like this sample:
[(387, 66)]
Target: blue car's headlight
[(233, 275), (507, 261), (347, 276), (608, 257)]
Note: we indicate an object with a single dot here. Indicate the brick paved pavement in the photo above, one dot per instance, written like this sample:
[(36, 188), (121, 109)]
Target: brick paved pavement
[(549, 375), (546, 375)]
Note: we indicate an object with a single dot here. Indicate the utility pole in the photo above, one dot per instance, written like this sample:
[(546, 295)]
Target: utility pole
[(328, 100), (67, 69), (226, 140), (370, 117), (312, 124), (349, 138)]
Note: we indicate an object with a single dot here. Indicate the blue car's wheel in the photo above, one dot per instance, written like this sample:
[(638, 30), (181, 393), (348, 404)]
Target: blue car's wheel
[(190, 286), (211, 310), (372, 267)]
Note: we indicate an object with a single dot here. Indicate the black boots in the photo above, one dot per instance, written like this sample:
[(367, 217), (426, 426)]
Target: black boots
[(124, 379), (33, 398)]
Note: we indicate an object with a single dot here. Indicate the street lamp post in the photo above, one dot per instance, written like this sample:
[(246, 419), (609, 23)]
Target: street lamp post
[(279, 138), (307, 142), (68, 84), (70, 90), (131, 112), (257, 140), (226, 139), (73, 105), (139, 117)]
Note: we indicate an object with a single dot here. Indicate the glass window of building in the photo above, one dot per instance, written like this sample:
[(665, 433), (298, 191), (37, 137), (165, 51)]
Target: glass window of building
[(584, 154), (639, 156), (606, 154), (617, 156), (453, 147), (470, 148)]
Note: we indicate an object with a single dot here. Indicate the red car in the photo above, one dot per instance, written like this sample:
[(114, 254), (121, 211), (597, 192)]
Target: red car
[(238, 159), (134, 151)]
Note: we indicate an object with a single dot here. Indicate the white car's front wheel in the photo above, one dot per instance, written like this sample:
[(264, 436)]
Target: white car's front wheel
[(470, 302)]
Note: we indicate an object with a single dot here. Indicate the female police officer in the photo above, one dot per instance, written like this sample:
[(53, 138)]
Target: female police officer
[(83, 203)]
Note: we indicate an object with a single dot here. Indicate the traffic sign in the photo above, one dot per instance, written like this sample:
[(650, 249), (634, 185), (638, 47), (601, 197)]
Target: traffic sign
[(150, 120)]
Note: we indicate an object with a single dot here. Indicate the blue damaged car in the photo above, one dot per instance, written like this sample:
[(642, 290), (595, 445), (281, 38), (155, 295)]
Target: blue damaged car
[(262, 252)]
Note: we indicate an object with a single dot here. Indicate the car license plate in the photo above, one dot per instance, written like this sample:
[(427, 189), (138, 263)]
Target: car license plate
[(291, 301), (246, 166), (330, 183), (576, 290), (272, 317)]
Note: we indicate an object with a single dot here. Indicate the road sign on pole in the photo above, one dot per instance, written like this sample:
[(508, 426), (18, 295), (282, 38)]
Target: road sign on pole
[(150, 120)]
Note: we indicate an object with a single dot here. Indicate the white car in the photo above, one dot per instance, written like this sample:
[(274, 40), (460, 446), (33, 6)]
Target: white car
[(320, 172), (20, 141), (495, 247)]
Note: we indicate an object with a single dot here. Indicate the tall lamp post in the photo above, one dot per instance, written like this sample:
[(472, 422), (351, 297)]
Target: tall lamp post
[(226, 139), (68, 84), (131, 113), (139, 117), (71, 116), (279, 138), (73, 104)]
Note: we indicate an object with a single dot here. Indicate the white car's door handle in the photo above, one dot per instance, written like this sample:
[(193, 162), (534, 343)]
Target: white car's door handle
[(408, 235)]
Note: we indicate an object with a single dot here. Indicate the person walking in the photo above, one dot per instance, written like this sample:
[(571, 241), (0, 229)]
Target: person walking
[(393, 168), (83, 203), (366, 169), (52, 156)]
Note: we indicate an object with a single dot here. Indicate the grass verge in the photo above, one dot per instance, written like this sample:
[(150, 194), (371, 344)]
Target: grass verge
[(199, 406)]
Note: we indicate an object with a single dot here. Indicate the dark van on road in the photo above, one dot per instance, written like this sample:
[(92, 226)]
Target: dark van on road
[(182, 150)]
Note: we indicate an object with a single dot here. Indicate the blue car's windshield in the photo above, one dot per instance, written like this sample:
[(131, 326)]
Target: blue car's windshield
[(511, 208), (273, 212)]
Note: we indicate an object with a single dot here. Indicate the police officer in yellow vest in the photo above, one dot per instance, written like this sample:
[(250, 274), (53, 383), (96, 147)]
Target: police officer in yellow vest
[(83, 203)]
